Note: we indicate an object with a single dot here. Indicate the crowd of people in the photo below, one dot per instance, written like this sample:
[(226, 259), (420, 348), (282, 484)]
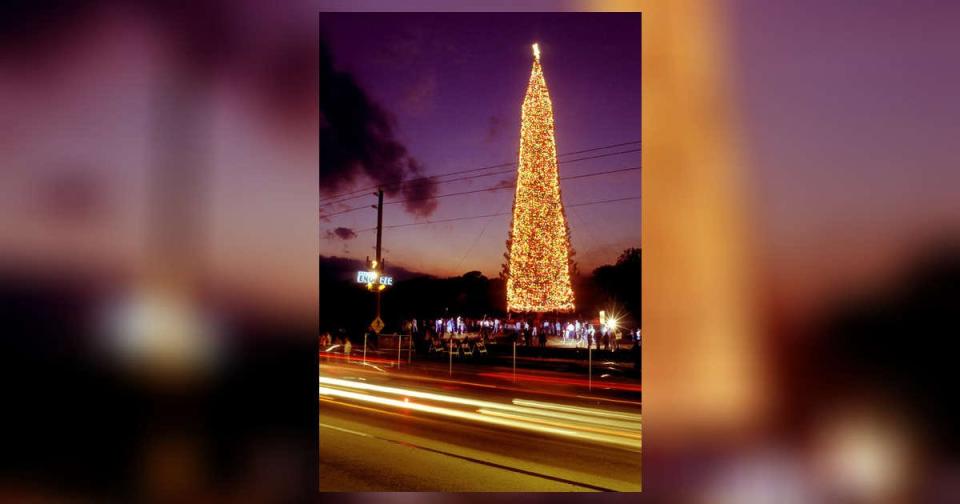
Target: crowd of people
[(529, 332), (581, 333), (327, 341)]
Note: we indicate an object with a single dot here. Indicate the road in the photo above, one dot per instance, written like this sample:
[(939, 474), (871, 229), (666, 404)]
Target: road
[(416, 430)]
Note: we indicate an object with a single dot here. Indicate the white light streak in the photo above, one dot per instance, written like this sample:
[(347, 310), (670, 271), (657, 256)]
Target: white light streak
[(475, 417), (578, 409), (588, 418)]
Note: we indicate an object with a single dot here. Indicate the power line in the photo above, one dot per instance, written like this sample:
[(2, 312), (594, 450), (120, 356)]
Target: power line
[(500, 188), (604, 201), (347, 211), (488, 167), (436, 221), (486, 189), (485, 174), (454, 219), (475, 241), (586, 175), (438, 183), (501, 165), (589, 231)]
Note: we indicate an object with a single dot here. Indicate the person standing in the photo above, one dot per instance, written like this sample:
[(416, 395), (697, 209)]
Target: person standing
[(636, 351)]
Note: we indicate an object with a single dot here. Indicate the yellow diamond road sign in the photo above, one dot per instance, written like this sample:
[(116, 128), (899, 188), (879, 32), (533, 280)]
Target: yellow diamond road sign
[(377, 325)]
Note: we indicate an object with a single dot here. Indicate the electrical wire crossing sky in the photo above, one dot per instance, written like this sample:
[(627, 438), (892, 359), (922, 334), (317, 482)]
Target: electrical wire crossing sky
[(449, 86)]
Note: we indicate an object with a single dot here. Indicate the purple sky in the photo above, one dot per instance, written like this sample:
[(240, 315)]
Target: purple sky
[(455, 83), (849, 143)]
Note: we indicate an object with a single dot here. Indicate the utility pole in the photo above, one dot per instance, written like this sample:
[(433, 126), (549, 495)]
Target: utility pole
[(379, 267)]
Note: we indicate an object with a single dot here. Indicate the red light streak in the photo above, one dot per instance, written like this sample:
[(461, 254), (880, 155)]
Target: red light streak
[(563, 381), (355, 359), (415, 377)]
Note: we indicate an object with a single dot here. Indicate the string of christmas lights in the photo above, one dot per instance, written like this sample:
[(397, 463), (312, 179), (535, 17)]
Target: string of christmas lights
[(539, 253)]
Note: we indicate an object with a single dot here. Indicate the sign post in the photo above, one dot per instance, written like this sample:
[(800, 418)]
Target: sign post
[(514, 361), (451, 356), (378, 264), (590, 365), (399, 341), (373, 277), (365, 348)]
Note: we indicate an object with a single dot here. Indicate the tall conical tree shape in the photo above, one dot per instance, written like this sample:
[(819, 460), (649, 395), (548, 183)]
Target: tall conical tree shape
[(538, 269)]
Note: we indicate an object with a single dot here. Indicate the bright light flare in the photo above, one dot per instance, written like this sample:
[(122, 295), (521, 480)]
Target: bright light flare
[(536, 51)]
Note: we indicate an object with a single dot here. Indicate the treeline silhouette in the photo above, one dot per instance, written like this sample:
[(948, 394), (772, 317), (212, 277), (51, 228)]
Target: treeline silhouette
[(346, 305)]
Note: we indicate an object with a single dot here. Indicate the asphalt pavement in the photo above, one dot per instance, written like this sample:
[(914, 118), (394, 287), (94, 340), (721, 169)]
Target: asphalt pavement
[(415, 429)]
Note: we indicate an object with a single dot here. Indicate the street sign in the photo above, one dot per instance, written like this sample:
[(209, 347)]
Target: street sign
[(376, 325), (368, 277)]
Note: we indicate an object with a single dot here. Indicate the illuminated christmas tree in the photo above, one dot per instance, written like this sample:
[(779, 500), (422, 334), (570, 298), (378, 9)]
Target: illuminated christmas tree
[(538, 249)]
